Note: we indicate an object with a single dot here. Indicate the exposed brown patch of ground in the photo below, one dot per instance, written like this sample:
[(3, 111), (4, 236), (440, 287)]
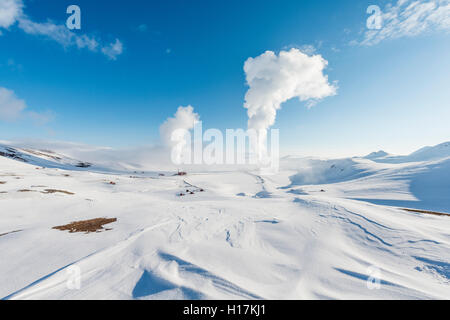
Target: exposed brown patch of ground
[(47, 191), (428, 212), (87, 226), (4, 234), (47, 151), (25, 190), (2, 182), (37, 153)]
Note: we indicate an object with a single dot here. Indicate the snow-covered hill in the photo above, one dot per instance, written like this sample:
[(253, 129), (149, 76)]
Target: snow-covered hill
[(377, 155), (437, 152), (42, 158), (319, 229), (431, 153)]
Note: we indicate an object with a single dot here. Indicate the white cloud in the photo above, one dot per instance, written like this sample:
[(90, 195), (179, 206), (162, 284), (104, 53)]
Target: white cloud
[(12, 108), (274, 79), (11, 13), (58, 33), (113, 50), (408, 18)]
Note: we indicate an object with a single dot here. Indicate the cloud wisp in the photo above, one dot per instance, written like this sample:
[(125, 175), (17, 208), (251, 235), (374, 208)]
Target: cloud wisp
[(274, 79), (12, 108), (11, 13), (113, 50), (409, 18)]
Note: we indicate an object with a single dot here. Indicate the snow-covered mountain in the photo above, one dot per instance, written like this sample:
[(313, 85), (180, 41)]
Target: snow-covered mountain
[(319, 229), (376, 155), (42, 158), (431, 153), (437, 152)]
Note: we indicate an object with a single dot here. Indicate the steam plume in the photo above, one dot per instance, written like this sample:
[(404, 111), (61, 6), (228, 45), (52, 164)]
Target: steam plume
[(274, 79)]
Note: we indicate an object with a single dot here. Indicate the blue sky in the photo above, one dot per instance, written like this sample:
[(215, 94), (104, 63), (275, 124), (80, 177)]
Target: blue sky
[(392, 94)]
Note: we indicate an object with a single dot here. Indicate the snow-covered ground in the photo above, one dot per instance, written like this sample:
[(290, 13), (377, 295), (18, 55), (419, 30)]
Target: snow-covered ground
[(319, 229)]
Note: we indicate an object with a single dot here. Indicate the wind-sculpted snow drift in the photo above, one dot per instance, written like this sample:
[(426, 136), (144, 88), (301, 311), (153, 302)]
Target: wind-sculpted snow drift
[(331, 234)]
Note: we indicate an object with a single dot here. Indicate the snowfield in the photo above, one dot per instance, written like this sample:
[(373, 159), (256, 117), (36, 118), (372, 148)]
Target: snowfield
[(319, 229)]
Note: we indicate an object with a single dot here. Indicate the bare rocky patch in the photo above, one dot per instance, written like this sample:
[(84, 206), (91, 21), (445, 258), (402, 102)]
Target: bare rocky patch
[(49, 191), (43, 153), (87, 226), (428, 212)]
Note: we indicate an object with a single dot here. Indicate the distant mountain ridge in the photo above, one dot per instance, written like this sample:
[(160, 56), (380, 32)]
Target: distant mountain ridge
[(41, 158), (429, 153), (439, 151), (376, 155), (335, 167)]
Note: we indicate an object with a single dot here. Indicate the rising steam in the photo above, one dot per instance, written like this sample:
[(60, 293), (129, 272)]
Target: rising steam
[(274, 79), (174, 132)]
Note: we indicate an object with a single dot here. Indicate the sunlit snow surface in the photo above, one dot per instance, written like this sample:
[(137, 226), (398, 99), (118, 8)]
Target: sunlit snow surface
[(319, 229)]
